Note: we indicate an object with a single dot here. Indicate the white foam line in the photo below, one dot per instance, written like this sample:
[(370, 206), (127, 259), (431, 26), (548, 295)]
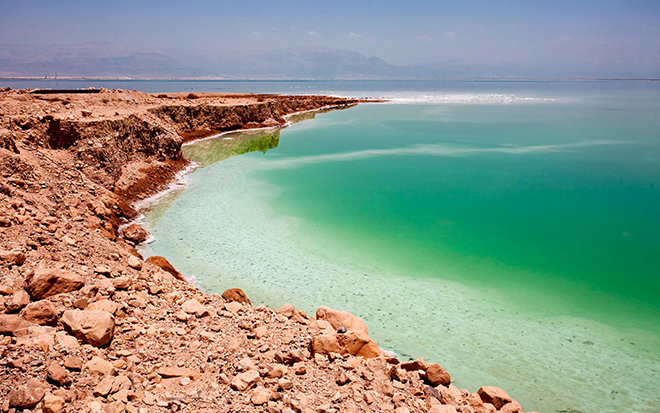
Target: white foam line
[(433, 150), (451, 99)]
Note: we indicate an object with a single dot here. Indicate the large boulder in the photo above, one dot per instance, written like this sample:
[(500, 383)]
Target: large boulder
[(165, 266), (46, 282), (93, 327), (135, 234), (437, 376), (348, 335), (236, 294), (494, 395), (339, 319), (40, 312)]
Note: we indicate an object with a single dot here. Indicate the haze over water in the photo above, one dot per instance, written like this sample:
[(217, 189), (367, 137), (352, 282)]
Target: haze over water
[(508, 231)]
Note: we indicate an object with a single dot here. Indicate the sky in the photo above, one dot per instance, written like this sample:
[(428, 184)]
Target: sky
[(566, 34)]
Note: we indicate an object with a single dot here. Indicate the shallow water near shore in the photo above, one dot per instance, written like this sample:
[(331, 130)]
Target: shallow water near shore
[(510, 235)]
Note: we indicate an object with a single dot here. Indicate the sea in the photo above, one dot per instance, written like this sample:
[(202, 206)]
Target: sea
[(509, 231)]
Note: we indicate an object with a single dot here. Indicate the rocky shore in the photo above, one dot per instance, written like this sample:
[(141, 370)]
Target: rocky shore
[(88, 325)]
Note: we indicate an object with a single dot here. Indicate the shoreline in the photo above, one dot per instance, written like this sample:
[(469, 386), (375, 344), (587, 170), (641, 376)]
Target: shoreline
[(178, 182), (71, 167), (220, 79)]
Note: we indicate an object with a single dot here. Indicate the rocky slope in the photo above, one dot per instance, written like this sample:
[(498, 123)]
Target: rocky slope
[(88, 325)]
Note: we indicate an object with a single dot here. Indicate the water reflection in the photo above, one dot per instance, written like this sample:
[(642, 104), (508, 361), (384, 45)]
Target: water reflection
[(210, 151)]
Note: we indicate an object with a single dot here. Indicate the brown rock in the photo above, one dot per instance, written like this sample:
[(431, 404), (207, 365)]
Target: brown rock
[(134, 262), (52, 403), (9, 323), (494, 395), (451, 395), (233, 306), (136, 234), (354, 342), (398, 374), (122, 283), (299, 369), (325, 344), (370, 350), (166, 266), (66, 340), (475, 403), (81, 303), (341, 318), (277, 371), (244, 381), (17, 301), (245, 364), (13, 257), (193, 306), (46, 282), (432, 393), (103, 305), (73, 363), (5, 222), (511, 407), (260, 396), (103, 387), (28, 396), (284, 384), (288, 311), (236, 294), (99, 366), (40, 312), (415, 365), (437, 376), (293, 356), (89, 326), (58, 374), (6, 290)]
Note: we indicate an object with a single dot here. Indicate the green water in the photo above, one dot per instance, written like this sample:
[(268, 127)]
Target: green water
[(516, 242)]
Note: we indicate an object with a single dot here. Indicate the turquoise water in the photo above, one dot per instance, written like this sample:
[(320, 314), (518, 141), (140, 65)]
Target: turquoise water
[(510, 233)]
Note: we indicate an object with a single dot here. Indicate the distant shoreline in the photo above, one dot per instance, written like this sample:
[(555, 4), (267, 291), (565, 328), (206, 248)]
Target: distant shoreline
[(221, 79)]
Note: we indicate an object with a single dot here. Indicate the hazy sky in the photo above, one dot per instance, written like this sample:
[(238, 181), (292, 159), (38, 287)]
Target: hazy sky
[(564, 33)]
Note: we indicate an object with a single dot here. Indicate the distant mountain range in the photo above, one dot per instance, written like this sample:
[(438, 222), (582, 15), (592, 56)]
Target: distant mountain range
[(110, 60)]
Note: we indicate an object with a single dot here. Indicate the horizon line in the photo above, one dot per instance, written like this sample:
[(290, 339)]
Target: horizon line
[(215, 79)]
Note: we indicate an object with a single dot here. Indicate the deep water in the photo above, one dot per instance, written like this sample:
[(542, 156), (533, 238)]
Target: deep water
[(508, 231)]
